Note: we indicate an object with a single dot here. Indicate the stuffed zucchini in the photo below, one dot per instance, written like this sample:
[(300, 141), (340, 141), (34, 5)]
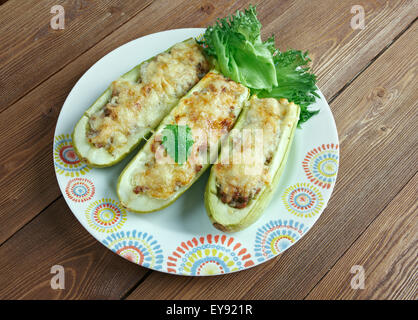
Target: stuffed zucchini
[(134, 104), (162, 171), (245, 176)]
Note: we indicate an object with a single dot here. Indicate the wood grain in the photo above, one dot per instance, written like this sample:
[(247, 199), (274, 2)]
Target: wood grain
[(57, 238), (378, 130), (387, 251), (323, 28), (26, 128), (31, 51)]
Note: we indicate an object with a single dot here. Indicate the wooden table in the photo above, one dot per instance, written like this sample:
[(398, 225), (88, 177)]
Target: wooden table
[(369, 77)]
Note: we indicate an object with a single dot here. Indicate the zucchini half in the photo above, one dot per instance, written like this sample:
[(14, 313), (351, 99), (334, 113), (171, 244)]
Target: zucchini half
[(100, 157), (142, 203), (230, 219)]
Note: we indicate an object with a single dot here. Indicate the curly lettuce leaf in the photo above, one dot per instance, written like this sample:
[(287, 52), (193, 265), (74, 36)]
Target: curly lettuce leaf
[(240, 53), (294, 82)]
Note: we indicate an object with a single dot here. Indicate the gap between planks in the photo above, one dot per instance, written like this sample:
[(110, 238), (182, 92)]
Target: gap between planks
[(33, 218), (136, 285), (71, 60), (361, 234), (371, 61), (403, 187)]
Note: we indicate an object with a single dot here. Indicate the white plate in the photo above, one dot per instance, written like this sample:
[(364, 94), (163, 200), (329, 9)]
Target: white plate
[(180, 239)]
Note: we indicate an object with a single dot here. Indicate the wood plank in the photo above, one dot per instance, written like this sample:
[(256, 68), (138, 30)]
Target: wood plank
[(377, 122), (57, 238), (387, 251), (26, 129), (31, 51)]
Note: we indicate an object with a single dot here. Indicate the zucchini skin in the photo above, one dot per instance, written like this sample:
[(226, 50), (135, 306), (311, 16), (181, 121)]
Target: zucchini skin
[(80, 128), (124, 176), (100, 103), (215, 208)]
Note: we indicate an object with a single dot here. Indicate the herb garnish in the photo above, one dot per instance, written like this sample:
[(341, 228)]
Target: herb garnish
[(178, 141)]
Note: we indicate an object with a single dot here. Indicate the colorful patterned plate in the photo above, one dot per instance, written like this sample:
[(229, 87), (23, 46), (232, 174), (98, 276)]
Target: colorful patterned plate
[(180, 239)]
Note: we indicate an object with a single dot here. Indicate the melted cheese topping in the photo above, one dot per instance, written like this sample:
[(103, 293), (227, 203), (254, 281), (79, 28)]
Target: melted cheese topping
[(134, 106), (210, 111), (241, 176)]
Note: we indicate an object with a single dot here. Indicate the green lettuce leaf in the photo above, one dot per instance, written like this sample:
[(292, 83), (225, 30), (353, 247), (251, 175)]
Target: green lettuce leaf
[(294, 82), (241, 55)]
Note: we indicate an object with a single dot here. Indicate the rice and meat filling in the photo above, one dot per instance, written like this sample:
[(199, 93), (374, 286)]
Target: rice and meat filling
[(137, 105)]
